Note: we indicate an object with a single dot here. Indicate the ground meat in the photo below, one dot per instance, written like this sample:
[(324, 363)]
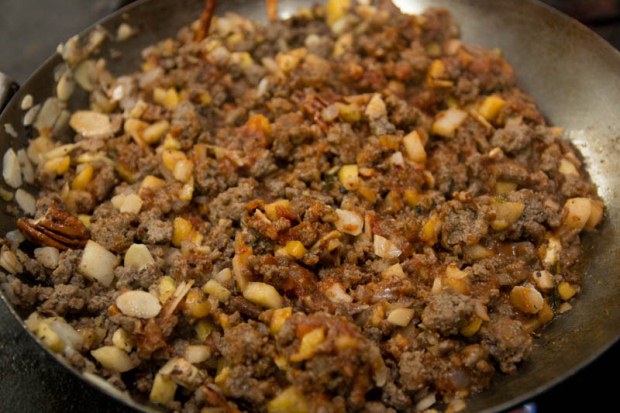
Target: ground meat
[(153, 230), (513, 137), (507, 341), (297, 225), (462, 226), (64, 299), (447, 312), (113, 230)]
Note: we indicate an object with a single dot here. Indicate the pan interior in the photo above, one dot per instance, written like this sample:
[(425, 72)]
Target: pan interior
[(572, 74)]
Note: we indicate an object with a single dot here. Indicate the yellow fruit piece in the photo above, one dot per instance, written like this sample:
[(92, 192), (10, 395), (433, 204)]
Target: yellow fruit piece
[(83, 178), (263, 294), (566, 291), (135, 128), (167, 286), (171, 143), (50, 338), (430, 229), (309, 345), (205, 98), (349, 113), (58, 165), (278, 319), (152, 182), (167, 98), (216, 290), (506, 214), (163, 390), (290, 400), (411, 197), (181, 230), (348, 175), (196, 304), (472, 328), (336, 9), (183, 170), (203, 329), (171, 157), (276, 209), (153, 133), (491, 106), (295, 249)]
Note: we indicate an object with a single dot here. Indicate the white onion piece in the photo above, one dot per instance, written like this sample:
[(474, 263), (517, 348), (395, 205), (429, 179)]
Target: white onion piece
[(48, 256), (349, 222), (138, 256), (66, 333), (98, 263), (385, 248), (197, 353), (447, 122), (337, 294)]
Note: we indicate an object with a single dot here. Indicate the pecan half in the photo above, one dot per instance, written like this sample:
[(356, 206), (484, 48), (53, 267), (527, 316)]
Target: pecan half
[(57, 228)]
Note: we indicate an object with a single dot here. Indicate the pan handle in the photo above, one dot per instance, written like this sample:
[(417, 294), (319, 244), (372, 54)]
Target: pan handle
[(8, 87)]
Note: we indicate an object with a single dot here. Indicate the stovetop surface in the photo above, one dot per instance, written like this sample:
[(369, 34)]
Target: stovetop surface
[(29, 379)]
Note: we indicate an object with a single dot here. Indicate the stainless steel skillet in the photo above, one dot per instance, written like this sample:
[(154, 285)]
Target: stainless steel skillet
[(573, 75)]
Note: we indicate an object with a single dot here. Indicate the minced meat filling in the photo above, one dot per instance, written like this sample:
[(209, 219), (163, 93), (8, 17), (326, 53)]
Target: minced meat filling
[(342, 211)]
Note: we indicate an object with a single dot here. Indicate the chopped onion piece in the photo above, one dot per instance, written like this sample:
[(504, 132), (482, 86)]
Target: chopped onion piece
[(349, 222), (337, 294), (138, 256), (98, 263), (385, 248), (447, 122)]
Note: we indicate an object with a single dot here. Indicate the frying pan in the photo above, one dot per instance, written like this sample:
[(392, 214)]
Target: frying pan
[(570, 71)]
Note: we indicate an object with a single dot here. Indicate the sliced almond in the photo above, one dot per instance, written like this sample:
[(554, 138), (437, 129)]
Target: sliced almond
[(139, 304), (91, 124)]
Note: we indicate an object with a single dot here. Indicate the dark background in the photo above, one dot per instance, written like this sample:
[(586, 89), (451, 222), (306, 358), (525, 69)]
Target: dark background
[(30, 30)]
